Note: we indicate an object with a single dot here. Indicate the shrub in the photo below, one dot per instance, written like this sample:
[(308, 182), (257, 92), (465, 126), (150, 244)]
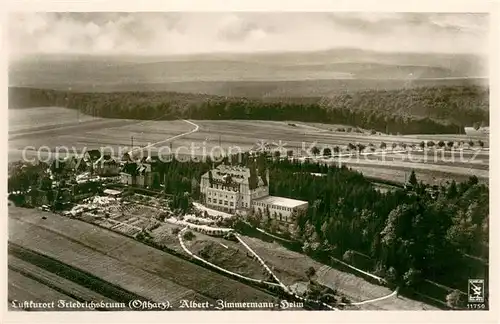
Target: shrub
[(310, 272), (344, 300), (188, 236), (176, 230), (454, 299)]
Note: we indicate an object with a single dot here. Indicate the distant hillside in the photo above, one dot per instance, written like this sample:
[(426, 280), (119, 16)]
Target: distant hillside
[(250, 75), (406, 111)]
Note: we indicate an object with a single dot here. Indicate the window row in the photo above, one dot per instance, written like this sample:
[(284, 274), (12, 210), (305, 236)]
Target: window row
[(220, 195), (273, 207), (225, 188), (225, 202)]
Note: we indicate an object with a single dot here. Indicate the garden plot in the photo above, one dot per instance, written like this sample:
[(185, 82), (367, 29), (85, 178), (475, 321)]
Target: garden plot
[(114, 214)]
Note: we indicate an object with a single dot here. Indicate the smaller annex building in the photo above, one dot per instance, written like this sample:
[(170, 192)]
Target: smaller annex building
[(279, 208)]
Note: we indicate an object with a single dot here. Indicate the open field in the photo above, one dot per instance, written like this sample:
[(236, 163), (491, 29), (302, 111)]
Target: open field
[(23, 288), (44, 119), (53, 280), (229, 136), (401, 175), (133, 266), (290, 267), (229, 255)]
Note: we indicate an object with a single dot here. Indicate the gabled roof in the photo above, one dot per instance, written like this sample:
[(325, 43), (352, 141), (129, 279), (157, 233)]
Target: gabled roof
[(108, 159), (152, 158), (130, 168), (94, 154)]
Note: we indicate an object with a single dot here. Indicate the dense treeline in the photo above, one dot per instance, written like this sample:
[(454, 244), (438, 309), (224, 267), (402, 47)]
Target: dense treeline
[(409, 234), (406, 111)]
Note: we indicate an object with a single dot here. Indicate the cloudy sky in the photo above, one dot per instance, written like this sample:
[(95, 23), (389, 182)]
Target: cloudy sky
[(186, 33)]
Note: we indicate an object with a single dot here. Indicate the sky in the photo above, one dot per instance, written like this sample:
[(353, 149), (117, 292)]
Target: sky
[(191, 33)]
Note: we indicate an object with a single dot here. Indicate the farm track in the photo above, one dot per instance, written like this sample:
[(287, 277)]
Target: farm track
[(196, 127)]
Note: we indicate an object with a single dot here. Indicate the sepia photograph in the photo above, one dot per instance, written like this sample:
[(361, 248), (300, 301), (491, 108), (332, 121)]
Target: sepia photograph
[(249, 161)]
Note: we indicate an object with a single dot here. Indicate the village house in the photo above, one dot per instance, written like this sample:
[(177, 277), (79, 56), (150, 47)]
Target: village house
[(84, 190), (139, 174), (92, 155), (106, 166)]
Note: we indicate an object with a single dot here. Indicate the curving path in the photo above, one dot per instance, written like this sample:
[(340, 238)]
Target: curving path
[(179, 236), (196, 128), (261, 262), (394, 293)]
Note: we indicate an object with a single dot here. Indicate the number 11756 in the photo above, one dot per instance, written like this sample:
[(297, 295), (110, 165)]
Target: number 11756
[(476, 306)]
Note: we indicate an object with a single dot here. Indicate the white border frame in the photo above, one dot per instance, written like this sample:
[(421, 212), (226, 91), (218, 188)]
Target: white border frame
[(490, 316)]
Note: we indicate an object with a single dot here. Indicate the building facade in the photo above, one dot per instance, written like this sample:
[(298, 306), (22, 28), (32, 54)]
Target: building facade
[(139, 174), (234, 188), (106, 165), (231, 188), (279, 208)]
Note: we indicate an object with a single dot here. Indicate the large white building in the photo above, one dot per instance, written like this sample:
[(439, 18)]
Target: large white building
[(235, 188), (278, 208), (229, 188)]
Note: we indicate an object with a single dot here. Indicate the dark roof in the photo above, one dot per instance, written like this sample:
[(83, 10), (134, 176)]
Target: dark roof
[(130, 168), (154, 157), (94, 154), (58, 164)]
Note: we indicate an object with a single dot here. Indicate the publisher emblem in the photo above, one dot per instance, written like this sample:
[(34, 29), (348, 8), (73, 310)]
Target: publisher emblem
[(476, 290)]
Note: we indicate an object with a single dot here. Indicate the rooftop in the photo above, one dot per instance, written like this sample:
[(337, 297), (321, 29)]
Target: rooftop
[(112, 192), (281, 201)]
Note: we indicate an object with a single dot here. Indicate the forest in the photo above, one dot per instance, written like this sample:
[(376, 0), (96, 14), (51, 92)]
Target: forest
[(425, 110)]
